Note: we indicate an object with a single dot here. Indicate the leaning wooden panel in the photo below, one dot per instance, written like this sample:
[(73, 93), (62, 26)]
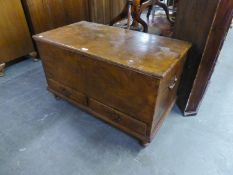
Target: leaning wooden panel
[(216, 22), (204, 24), (126, 78), (15, 39)]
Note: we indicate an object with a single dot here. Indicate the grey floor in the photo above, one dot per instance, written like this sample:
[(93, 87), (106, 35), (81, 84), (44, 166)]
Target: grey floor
[(42, 136)]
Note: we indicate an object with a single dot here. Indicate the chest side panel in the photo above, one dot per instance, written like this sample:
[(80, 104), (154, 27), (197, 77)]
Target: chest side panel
[(167, 94)]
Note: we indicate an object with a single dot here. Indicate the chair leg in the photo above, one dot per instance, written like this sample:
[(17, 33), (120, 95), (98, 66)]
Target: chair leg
[(138, 19), (135, 15), (144, 24), (165, 8), (149, 11)]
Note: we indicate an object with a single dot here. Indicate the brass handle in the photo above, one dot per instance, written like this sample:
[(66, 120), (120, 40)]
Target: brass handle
[(173, 84)]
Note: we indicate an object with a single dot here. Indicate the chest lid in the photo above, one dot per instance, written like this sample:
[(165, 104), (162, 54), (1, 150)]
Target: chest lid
[(146, 53)]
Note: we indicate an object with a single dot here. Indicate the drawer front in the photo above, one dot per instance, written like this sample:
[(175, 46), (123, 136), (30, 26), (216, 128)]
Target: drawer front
[(67, 92), (117, 118)]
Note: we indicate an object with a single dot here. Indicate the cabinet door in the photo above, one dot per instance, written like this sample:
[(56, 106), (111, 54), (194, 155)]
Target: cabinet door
[(15, 39), (45, 15), (102, 11)]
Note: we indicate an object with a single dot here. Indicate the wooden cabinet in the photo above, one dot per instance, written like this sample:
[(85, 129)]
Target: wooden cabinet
[(130, 80), (102, 11), (15, 39), (45, 15)]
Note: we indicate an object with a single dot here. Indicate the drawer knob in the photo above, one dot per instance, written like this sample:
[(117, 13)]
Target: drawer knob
[(173, 83)]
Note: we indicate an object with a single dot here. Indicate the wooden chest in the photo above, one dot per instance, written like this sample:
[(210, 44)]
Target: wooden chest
[(126, 78)]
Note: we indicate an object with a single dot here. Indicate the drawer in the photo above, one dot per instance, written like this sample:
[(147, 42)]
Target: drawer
[(67, 92), (117, 118)]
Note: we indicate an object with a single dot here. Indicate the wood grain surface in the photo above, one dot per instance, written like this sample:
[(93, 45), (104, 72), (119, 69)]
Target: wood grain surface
[(15, 39), (44, 15), (108, 72)]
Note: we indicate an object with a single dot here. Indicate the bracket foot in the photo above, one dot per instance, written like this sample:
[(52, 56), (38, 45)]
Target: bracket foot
[(2, 69)]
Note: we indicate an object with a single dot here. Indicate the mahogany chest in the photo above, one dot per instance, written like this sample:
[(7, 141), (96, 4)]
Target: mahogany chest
[(126, 78)]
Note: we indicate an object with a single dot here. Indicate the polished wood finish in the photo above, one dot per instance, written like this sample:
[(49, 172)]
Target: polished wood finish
[(130, 80), (15, 39), (207, 35), (44, 15)]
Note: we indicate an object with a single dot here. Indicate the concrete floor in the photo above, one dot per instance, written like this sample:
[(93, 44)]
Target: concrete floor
[(39, 135)]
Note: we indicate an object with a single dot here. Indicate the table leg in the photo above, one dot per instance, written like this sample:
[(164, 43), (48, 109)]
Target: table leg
[(136, 14), (149, 11), (165, 8), (139, 20)]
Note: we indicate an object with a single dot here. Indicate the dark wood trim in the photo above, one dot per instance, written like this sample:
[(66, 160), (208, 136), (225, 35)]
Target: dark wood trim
[(27, 15), (204, 24), (219, 29)]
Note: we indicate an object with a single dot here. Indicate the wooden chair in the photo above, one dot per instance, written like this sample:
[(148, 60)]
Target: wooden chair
[(151, 3), (132, 8)]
